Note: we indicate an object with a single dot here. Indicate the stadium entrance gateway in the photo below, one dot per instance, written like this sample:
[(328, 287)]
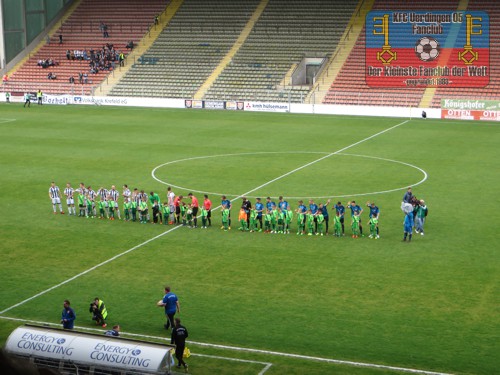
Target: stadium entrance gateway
[(84, 353)]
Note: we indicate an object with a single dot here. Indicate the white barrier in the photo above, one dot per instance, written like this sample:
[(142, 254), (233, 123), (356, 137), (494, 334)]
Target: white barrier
[(87, 349)]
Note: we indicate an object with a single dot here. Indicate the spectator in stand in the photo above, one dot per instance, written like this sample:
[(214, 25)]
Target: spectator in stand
[(68, 54), (80, 77), (71, 79), (60, 39), (130, 45), (156, 20), (85, 78), (5, 79), (51, 76)]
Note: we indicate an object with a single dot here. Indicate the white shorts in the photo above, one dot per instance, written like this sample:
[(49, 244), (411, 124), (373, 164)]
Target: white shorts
[(56, 200), (70, 201)]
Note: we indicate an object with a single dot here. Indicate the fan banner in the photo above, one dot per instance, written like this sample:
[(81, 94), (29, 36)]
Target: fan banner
[(427, 49)]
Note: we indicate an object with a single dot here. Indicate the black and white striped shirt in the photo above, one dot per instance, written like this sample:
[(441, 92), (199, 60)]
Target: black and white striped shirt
[(68, 192), (54, 192)]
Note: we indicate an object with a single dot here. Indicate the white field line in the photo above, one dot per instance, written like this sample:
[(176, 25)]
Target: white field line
[(256, 351), (6, 120), (425, 176)]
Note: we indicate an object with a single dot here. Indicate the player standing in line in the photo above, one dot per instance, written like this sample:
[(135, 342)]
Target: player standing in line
[(340, 211), (283, 205), (170, 200), (126, 194), (127, 206), (154, 201), (91, 194), (314, 210), (82, 200), (177, 205), (143, 210), (274, 219), (70, 200), (136, 199), (356, 210), (281, 220), (207, 206), (225, 217), (204, 217), (247, 206), (302, 210), (373, 222), (55, 197), (310, 222), (226, 202), (253, 220), (320, 221), (111, 206), (323, 208), (114, 194), (288, 219), (165, 211), (143, 195), (267, 221), (194, 208), (355, 224), (242, 218), (374, 213), (259, 210), (338, 226), (103, 202)]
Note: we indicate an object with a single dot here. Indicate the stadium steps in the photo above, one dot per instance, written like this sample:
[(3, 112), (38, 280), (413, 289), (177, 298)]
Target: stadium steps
[(106, 86), (51, 33), (342, 52), (236, 46), (126, 19)]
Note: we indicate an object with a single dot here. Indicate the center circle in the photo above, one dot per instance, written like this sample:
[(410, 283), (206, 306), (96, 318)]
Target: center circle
[(270, 153)]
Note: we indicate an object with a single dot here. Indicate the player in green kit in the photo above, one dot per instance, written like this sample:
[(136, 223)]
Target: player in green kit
[(300, 222), (111, 208), (165, 211), (288, 219), (274, 219), (204, 217), (102, 208), (310, 222), (183, 209), (281, 221), (337, 225), (82, 202), (320, 219), (143, 210), (225, 217), (267, 221), (373, 222), (355, 225), (253, 220), (189, 217), (127, 205), (133, 209)]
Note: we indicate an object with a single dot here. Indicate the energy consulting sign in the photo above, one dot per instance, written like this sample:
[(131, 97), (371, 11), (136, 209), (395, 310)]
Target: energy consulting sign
[(427, 49)]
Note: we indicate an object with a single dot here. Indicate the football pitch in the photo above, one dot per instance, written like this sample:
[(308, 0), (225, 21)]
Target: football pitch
[(257, 303)]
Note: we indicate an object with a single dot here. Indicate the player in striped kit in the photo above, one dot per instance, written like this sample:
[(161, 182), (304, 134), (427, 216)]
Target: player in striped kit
[(55, 197), (103, 194), (70, 200), (114, 194)]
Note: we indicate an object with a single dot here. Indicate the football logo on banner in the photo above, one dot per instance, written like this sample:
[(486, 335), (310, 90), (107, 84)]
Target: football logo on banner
[(427, 49)]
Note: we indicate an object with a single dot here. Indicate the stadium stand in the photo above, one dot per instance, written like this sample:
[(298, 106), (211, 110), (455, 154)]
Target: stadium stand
[(288, 31), (188, 50), (191, 47), (126, 20)]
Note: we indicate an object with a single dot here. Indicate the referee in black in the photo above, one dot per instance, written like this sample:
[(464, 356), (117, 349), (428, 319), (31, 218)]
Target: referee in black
[(179, 336)]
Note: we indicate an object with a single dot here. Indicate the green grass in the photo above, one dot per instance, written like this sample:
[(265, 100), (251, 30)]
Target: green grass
[(432, 304)]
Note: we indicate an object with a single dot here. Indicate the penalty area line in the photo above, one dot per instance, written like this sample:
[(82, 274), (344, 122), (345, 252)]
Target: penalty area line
[(255, 351)]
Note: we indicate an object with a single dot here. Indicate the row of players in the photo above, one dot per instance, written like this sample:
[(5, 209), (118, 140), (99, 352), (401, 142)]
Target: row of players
[(264, 216)]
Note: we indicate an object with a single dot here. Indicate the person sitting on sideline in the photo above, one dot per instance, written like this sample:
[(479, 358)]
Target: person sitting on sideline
[(99, 312), (113, 332)]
